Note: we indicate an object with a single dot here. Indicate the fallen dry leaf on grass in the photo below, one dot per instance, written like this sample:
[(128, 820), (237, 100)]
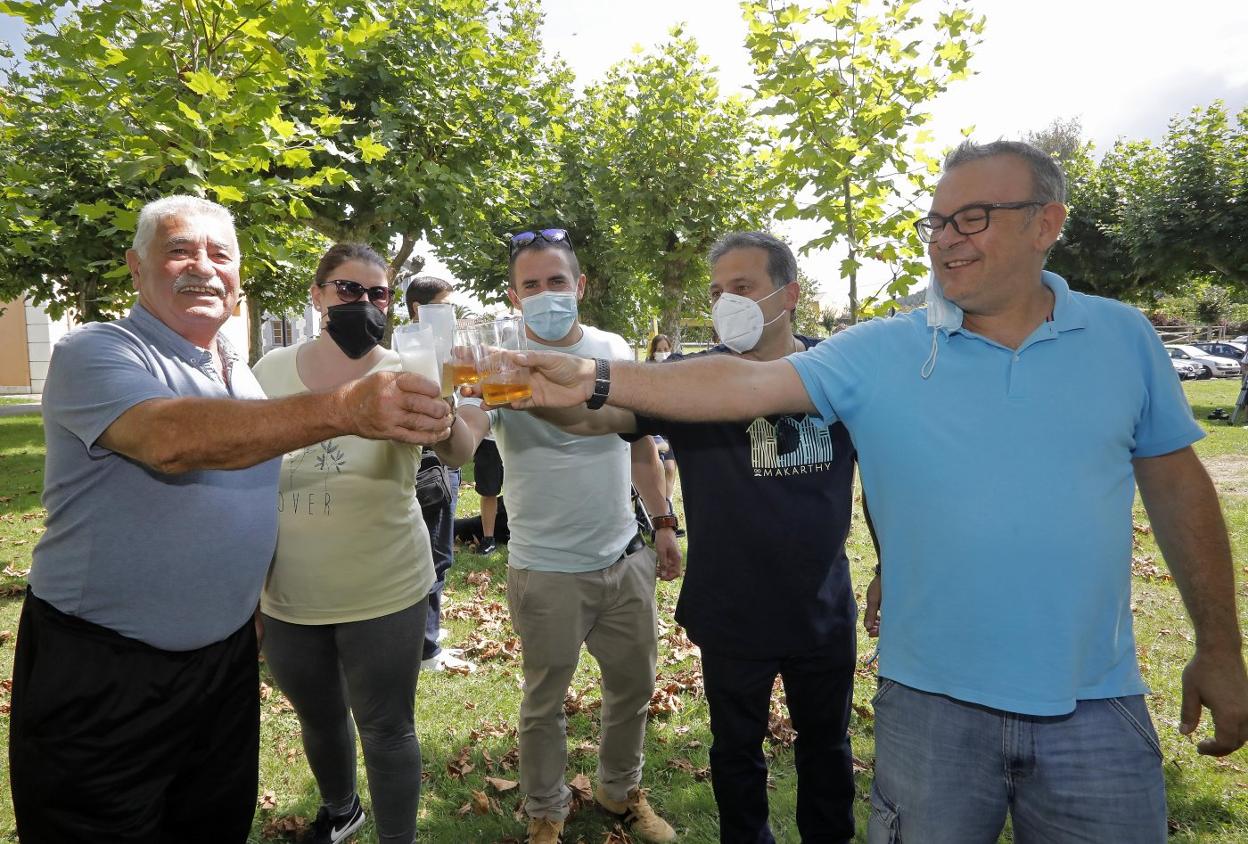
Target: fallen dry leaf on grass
[(287, 826), (268, 800), (501, 785), (581, 700), (581, 788), (685, 766), (495, 729), (483, 804), (460, 767)]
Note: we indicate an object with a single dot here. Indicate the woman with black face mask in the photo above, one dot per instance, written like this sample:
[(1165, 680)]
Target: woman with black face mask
[(344, 604)]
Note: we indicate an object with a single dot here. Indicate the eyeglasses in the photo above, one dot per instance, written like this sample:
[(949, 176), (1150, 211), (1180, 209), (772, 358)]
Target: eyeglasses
[(351, 291), (519, 241), (971, 219)]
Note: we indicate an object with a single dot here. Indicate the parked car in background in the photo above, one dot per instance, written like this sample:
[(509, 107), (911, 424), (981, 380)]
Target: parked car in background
[(1186, 370), (1212, 365), (1223, 348)]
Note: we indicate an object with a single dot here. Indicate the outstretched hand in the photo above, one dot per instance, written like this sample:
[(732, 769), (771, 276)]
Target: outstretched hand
[(399, 406), (1219, 683), (557, 380)]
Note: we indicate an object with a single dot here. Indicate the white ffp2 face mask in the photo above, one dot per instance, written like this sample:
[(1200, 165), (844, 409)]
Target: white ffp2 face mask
[(739, 320), (659, 357)]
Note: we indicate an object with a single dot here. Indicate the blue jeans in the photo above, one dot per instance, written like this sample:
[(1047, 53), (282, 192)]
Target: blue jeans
[(948, 771)]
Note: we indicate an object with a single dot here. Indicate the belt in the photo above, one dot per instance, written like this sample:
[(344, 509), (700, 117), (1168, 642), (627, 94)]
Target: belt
[(634, 545)]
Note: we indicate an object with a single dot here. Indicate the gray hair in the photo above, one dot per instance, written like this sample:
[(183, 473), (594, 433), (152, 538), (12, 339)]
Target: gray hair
[(781, 265), (180, 205), (1048, 183)]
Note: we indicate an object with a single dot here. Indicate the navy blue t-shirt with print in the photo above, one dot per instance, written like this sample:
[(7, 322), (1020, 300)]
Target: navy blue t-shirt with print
[(767, 506)]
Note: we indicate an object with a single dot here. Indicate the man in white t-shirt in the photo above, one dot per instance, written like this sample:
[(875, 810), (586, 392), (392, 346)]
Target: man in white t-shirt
[(578, 571)]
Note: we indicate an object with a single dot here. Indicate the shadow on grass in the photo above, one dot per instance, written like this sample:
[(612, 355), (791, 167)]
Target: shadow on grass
[(1201, 412), (1199, 809)]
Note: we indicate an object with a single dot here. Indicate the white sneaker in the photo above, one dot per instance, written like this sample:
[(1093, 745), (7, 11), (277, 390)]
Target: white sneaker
[(445, 661), (442, 634)]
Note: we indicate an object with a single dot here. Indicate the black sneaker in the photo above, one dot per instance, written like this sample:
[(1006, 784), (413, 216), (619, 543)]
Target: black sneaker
[(331, 830), (487, 546)]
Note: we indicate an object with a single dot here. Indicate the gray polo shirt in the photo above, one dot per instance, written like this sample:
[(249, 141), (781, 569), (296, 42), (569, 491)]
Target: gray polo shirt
[(176, 561)]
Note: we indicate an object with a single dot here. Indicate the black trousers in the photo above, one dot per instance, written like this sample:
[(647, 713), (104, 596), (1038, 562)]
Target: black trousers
[(818, 687), (113, 740)]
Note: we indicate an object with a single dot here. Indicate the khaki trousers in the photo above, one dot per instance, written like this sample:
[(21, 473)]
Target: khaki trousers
[(612, 612)]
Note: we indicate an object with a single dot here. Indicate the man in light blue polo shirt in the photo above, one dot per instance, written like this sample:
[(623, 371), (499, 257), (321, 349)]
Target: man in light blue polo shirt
[(1001, 432), (135, 703)]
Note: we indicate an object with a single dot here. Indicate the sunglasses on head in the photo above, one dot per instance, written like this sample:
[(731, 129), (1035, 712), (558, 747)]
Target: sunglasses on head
[(519, 241), (351, 291)]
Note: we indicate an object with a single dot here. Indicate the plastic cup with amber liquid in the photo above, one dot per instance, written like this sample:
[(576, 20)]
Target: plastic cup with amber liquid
[(502, 380), (465, 366)]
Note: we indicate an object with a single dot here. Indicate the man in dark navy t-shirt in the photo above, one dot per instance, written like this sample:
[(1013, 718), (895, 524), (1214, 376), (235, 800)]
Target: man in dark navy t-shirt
[(767, 591)]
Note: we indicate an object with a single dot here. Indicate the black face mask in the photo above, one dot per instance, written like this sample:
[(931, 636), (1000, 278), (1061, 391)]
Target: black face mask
[(356, 327)]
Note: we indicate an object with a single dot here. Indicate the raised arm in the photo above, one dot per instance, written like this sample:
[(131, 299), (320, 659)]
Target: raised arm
[(584, 422), (711, 388), (1187, 522), (469, 428), (174, 435)]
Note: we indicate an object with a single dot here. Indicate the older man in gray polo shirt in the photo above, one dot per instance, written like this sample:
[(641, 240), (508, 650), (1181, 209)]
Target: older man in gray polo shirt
[(134, 706)]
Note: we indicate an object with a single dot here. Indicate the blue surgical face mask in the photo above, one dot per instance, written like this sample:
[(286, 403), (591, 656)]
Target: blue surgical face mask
[(549, 314)]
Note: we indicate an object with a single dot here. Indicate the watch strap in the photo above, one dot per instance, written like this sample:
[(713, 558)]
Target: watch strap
[(602, 384), (668, 521)]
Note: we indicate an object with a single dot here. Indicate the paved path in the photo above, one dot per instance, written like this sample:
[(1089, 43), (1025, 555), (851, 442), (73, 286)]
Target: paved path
[(19, 409)]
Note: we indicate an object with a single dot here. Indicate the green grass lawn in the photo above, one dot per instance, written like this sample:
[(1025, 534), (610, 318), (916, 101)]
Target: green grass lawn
[(467, 723)]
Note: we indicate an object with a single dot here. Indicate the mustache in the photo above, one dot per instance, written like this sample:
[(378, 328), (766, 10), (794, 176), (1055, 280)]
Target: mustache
[(187, 280)]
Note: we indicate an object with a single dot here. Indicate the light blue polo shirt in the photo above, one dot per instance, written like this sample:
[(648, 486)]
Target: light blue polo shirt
[(1001, 488), (175, 561)]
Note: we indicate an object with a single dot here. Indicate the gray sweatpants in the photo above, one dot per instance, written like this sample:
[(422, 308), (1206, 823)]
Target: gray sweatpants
[(613, 613), (366, 669)]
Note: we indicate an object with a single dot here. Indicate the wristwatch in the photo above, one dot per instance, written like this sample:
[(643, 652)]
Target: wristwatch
[(668, 521), (602, 384)]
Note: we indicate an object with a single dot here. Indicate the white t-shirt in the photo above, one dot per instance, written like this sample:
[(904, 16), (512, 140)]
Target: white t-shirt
[(568, 504), (351, 542)]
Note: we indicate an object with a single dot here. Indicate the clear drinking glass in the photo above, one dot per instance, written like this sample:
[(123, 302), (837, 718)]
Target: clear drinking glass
[(441, 318), (502, 381), (417, 346), (466, 354)]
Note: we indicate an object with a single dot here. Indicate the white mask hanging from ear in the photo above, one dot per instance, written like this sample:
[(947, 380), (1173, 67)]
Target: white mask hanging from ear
[(739, 320), (941, 313)]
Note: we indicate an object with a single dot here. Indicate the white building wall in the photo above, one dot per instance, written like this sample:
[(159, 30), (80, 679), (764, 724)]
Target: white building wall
[(42, 333)]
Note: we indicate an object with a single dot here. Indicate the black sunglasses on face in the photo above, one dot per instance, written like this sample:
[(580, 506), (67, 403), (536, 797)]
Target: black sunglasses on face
[(351, 291), (971, 219), (519, 241)]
